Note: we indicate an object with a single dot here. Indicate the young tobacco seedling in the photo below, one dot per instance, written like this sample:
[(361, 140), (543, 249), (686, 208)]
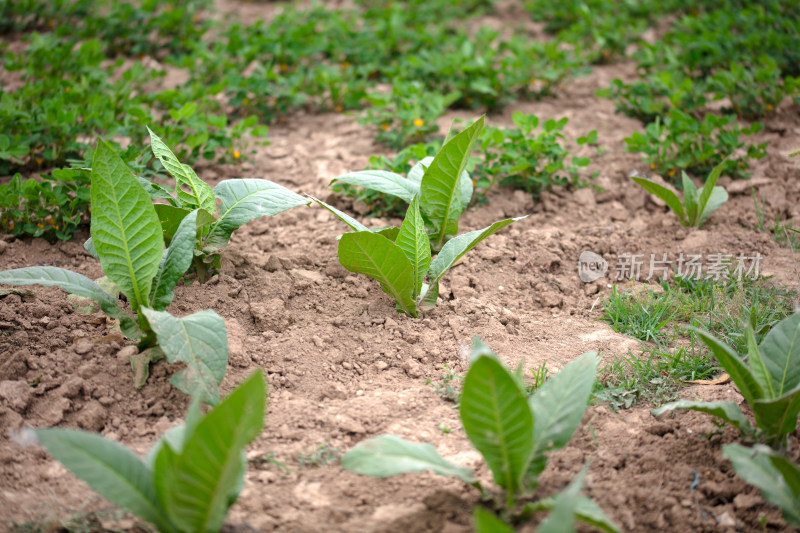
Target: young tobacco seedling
[(400, 258), (511, 431), (776, 476), (769, 382), (128, 240), (189, 478), (694, 210), (441, 182), (241, 200)]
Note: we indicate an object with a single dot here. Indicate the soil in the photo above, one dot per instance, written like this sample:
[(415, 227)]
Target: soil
[(344, 366)]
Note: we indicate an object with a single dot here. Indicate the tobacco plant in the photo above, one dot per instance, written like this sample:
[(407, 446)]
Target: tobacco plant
[(776, 476), (189, 478), (694, 210), (128, 240), (769, 382), (439, 191), (241, 200), (513, 433)]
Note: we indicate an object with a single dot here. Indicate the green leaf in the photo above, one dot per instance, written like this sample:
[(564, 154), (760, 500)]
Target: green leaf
[(89, 247), (757, 367), (196, 490), (109, 468), (140, 364), (718, 197), (497, 420), (455, 248), (708, 191), (428, 296), (156, 191), (669, 197), (170, 217), (690, 200), (558, 407), (441, 194), (192, 192), (244, 200), (413, 241), (488, 522), (382, 181), (344, 217), (739, 372), (586, 511), (376, 256), (199, 340), (777, 417), (756, 468), (175, 261), (73, 283), (125, 228), (780, 351), (389, 455), (727, 411), (565, 508)]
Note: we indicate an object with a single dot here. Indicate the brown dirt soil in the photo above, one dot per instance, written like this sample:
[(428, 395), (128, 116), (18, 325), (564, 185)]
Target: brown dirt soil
[(343, 365)]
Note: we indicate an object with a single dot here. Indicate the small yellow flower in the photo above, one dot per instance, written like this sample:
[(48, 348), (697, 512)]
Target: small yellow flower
[(418, 122), (284, 66), (11, 226), (39, 225), (769, 107), (244, 101), (385, 126), (338, 109), (672, 172), (533, 80), (345, 64), (66, 89), (55, 228), (652, 167), (236, 154), (38, 160)]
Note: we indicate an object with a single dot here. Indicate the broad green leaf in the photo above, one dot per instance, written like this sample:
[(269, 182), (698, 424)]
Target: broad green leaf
[(73, 283), (244, 200), (718, 197), (192, 192), (777, 417), (344, 217), (586, 511), (780, 351), (196, 490), (441, 197), (565, 508), (559, 404), (708, 191), (669, 197), (109, 468), (376, 256), (739, 372), (456, 247), (789, 470), (418, 170), (170, 217), (125, 228), (488, 522), (390, 232), (497, 420), (727, 411), (756, 468), (757, 367), (690, 200), (382, 181), (174, 262), (413, 241), (389, 455), (199, 340), (465, 183), (140, 364), (176, 436)]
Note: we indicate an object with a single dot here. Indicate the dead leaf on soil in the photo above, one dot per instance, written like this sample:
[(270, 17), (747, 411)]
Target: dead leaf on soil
[(724, 378)]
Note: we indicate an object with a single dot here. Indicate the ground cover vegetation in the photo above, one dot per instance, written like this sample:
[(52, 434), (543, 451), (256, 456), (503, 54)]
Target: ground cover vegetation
[(88, 69)]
